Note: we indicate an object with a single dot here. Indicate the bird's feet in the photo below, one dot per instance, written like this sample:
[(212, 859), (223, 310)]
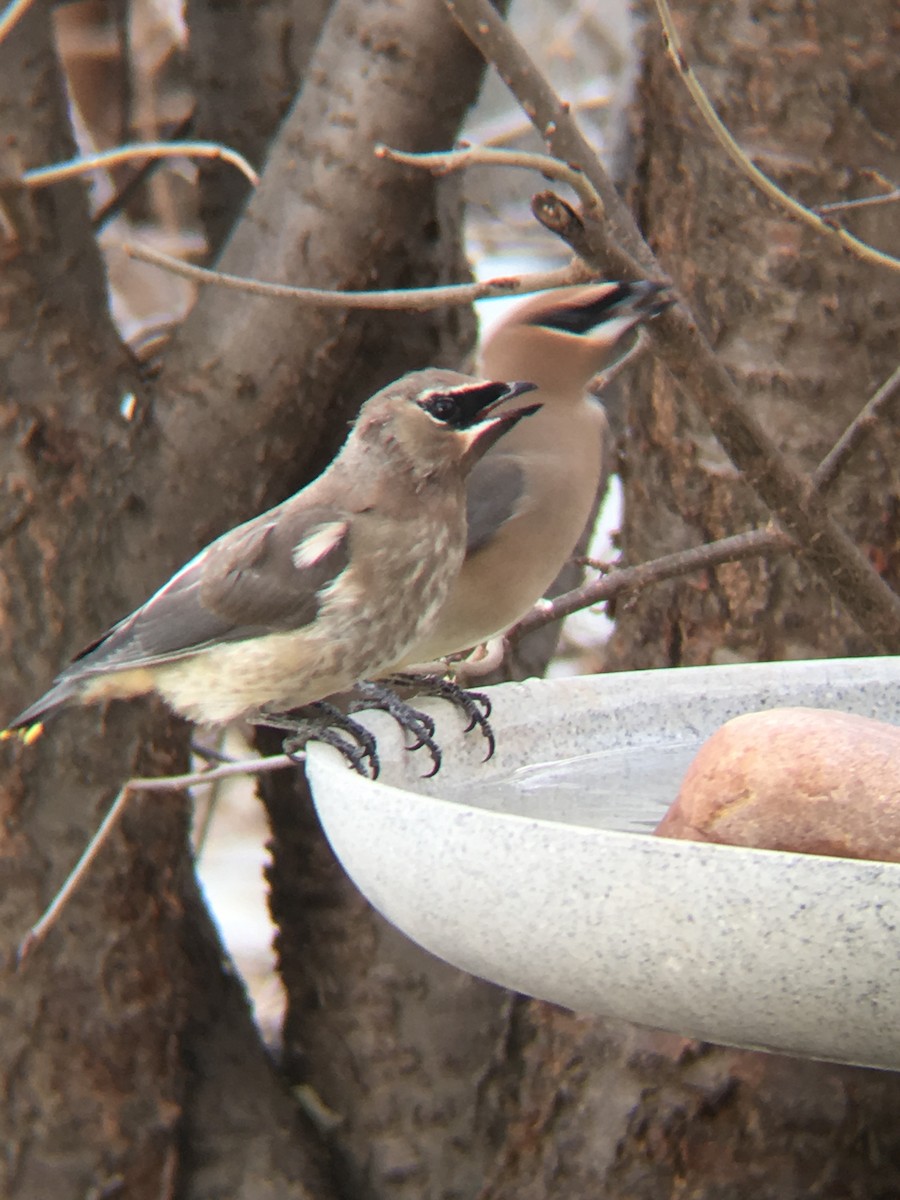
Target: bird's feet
[(411, 720), (323, 722), (475, 706)]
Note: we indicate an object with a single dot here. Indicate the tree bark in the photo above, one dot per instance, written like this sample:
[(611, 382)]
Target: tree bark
[(808, 332), (247, 64)]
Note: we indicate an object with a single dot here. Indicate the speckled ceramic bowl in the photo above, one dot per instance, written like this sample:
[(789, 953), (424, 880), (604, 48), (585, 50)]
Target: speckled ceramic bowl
[(537, 870)]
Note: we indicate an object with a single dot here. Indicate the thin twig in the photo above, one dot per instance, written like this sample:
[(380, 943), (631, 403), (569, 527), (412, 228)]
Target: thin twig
[(836, 458), (443, 163), (165, 783), (631, 579), (418, 299), (767, 186), (616, 250), (11, 14), (862, 202), (636, 350), (42, 176)]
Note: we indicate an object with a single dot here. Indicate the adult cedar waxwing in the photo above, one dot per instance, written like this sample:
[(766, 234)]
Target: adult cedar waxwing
[(327, 588), (530, 498)]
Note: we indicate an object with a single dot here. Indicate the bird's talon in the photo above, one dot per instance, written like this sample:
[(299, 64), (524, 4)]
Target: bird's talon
[(295, 749), (411, 720), (436, 759), (474, 705), (329, 725)]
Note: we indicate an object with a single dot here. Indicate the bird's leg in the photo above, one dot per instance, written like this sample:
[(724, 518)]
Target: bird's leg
[(411, 720), (326, 723), (474, 705)]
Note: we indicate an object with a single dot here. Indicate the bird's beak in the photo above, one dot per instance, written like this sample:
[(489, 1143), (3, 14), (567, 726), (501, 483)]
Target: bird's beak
[(488, 428), (477, 402)]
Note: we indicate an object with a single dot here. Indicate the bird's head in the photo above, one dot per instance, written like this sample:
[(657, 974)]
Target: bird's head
[(562, 338), (437, 418)]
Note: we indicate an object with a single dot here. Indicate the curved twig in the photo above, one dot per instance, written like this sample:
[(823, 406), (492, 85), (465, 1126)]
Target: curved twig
[(758, 178), (54, 173), (471, 156), (831, 465), (419, 299)]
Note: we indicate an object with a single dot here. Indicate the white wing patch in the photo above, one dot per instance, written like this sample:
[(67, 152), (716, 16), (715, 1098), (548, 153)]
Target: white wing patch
[(318, 544)]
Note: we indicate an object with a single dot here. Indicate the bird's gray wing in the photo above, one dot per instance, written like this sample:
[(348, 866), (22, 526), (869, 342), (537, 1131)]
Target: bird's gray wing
[(264, 577), (494, 494)]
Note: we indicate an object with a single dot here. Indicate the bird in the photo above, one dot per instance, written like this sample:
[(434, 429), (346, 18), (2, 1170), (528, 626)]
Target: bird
[(328, 587), (530, 497)]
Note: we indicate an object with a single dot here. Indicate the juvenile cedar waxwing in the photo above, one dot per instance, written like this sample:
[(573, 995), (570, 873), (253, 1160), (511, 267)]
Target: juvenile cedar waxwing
[(327, 588), (530, 498)]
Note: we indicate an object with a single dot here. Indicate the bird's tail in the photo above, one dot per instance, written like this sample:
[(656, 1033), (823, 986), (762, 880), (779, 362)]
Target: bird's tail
[(28, 726)]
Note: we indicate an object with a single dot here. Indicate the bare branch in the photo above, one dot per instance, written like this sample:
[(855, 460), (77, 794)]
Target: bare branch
[(163, 783), (832, 464), (419, 299), (117, 202), (471, 156), (629, 256), (636, 350), (560, 218), (632, 579), (616, 248), (862, 202), (758, 178), (510, 128), (56, 172)]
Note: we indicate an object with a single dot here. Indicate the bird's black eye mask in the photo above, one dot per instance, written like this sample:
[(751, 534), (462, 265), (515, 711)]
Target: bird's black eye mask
[(588, 314), (463, 407), (582, 317)]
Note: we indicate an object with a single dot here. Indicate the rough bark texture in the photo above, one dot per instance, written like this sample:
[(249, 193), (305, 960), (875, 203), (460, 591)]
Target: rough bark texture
[(128, 1057), (607, 1109), (87, 1021), (808, 332), (598, 1108), (242, 108)]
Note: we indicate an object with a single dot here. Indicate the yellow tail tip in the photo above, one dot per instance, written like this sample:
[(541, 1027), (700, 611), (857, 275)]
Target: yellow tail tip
[(26, 736)]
